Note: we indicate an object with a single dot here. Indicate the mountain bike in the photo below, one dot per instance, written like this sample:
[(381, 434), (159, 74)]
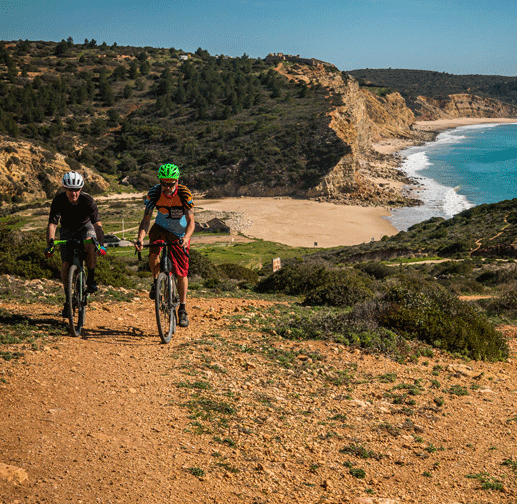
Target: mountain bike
[(76, 294), (167, 297)]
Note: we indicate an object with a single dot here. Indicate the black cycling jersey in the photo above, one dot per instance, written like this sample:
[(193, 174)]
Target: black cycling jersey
[(73, 217)]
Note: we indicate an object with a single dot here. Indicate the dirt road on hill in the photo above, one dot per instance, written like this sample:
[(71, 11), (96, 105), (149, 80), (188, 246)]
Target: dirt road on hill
[(230, 413)]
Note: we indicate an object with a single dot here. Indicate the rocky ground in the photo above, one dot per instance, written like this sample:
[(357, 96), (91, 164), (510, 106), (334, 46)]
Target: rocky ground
[(229, 412)]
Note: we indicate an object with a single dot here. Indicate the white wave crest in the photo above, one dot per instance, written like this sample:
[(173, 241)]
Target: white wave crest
[(447, 137), (438, 199), (415, 163)]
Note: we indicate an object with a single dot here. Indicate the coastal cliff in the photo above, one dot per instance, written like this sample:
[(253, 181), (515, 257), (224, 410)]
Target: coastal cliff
[(463, 105), (362, 176)]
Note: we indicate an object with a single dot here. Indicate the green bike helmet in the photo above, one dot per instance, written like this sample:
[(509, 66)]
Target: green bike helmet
[(168, 171)]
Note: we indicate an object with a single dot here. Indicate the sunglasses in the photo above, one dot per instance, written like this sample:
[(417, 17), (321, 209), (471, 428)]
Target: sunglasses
[(73, 190), (168, 184)]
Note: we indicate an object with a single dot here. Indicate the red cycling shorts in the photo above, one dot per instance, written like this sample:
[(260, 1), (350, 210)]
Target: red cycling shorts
[(180, 261)]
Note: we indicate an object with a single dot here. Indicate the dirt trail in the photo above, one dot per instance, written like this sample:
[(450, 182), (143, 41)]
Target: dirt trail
[(230, 413)]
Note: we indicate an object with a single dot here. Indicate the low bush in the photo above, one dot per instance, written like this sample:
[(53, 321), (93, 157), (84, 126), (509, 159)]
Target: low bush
[(498, 276), (111, 271), (457, 248), (435, 316), (407, 317), (342, 328), (201, 266), (377, 270), (503, 306), (341, 289), (293, 280), (22, 254), (238, 272), (453, 268)]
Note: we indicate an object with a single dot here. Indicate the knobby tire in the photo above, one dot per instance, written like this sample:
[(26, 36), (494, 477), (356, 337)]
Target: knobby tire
[(166, 294), (75, 300)]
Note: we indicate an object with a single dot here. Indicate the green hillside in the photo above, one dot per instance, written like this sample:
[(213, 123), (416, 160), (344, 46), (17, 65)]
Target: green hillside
[(488, 230), (125, 110)]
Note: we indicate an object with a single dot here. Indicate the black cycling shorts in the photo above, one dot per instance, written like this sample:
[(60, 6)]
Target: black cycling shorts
[(86, 232)]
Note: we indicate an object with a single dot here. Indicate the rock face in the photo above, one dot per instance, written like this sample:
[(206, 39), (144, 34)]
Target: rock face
[(30, 173), (362, 119), (363, 176), (462, 105)]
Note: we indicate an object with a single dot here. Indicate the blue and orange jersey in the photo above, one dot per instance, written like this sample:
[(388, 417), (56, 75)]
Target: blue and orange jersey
[(171, 210)]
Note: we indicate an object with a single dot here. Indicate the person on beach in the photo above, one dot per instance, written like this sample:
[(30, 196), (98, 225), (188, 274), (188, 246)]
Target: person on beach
[(77, 211), (174, 224)]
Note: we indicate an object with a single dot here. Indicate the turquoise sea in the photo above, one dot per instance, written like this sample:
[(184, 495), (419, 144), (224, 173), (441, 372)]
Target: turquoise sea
[(463, 167)]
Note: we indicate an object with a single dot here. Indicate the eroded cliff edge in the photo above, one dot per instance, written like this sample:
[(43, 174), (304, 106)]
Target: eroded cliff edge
[(360, 119), (29, 172)]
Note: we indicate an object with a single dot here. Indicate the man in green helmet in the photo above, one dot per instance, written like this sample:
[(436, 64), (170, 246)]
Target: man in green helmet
[(174, 224)]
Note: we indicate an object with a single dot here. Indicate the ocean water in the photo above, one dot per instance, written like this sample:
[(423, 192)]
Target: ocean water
[(462, 168)]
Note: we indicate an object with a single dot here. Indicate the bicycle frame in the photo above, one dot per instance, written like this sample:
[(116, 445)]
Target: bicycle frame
[(76, 293), (167, 297)]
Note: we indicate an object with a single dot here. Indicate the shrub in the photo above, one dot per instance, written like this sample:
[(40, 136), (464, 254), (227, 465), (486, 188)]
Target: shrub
[(22, 254), (456, 248), (306, 278), (293, 280), (111, 271), (377, 270), (453, 268), (402, 320), (498, 276), (344, 328), (73, 164), (238, 272), (433, 315), (506, 305), (342, 289), (202, 266)]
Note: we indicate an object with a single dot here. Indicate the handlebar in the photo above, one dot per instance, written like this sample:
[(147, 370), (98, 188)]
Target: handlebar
[(101, 250), (161, 244)]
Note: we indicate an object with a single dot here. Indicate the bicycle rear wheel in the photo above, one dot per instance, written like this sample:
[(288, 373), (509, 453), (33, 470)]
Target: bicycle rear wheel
[(165, 312), (75, 301)]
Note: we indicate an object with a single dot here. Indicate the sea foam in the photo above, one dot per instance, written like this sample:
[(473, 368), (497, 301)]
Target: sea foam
[(461, 168), (437, 199)]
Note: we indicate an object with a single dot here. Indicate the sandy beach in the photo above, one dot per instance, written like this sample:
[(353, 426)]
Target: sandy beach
[(304, 223)]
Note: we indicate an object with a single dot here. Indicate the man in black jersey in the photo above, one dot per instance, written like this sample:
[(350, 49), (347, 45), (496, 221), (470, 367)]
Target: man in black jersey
[(79, 217)]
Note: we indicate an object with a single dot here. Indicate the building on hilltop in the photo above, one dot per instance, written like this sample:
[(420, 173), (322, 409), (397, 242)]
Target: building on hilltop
[(273, 57)]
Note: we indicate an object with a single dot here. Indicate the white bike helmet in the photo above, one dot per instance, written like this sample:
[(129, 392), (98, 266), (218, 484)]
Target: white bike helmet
[(72, 180)]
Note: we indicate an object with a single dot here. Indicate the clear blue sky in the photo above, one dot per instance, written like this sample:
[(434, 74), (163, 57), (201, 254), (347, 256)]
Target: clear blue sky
[(454, 36)]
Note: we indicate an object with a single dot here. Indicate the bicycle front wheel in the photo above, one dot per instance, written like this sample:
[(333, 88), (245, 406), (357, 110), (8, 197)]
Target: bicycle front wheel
[(165, 312), (75, 301)]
